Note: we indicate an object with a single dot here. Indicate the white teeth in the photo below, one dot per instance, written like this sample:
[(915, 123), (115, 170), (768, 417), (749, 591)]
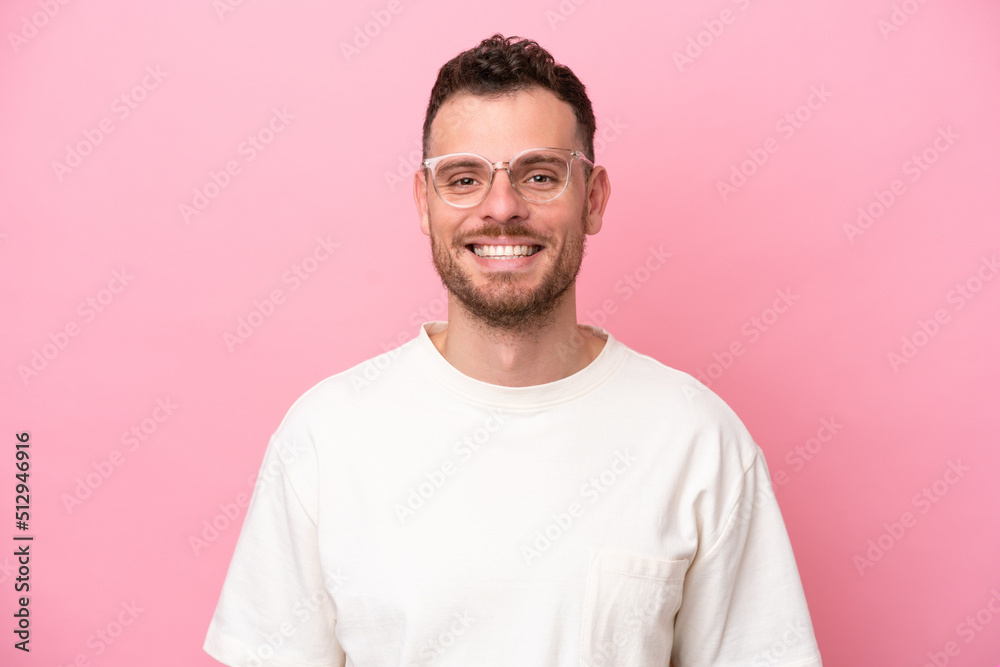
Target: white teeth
[(505, 251)]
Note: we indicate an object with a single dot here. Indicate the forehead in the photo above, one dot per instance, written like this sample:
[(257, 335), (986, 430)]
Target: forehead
[(499, 127)]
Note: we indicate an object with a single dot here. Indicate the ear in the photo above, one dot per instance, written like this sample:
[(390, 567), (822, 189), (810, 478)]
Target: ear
[(598, 193), (420, 199)]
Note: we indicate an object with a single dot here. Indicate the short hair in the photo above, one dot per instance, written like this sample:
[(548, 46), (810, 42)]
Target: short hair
[(502, 65)]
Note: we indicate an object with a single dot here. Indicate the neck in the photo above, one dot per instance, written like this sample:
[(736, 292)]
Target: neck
[(553, 350)]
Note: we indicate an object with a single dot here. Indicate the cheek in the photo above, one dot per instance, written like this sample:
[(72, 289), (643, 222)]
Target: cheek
[(444, 225)]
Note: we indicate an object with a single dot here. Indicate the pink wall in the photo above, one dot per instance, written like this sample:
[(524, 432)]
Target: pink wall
[(867, 393)]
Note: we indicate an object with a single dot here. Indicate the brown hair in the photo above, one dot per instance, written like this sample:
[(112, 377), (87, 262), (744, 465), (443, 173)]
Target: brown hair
[(507, 65)]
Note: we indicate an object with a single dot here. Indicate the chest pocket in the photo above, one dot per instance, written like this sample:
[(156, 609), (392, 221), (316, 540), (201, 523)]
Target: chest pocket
[(629, 608)]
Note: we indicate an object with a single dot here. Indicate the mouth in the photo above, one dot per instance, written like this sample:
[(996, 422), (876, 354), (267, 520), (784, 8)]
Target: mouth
[(503, 251)]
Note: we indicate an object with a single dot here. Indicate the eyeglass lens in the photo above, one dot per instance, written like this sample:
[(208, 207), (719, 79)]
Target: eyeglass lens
[(538, 176)]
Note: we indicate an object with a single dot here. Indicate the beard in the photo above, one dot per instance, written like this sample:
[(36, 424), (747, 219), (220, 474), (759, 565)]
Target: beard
[(502, 304)]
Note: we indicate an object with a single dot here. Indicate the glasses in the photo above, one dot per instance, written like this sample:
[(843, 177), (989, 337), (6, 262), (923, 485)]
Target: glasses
[(538, 174)]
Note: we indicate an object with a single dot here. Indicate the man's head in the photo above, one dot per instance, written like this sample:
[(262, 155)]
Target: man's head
[(498, 100)]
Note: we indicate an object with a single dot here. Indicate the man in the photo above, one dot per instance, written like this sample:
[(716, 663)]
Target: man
[(512, 488)]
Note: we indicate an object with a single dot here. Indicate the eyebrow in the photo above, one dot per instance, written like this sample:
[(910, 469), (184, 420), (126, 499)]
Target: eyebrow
[(541, 158), (460, 163)]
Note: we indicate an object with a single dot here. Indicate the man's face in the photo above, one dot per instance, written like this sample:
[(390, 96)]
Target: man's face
[(519, 294)]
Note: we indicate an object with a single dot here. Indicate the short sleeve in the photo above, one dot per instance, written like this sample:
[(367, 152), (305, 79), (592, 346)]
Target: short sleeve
[(275, 609), (743, 602)]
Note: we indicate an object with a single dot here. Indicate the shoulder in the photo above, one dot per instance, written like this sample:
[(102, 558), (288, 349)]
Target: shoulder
[(688, 406), (352, 393), (338, 409)]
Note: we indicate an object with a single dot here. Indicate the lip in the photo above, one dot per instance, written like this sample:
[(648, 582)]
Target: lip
[(504, 240), (496, 263)]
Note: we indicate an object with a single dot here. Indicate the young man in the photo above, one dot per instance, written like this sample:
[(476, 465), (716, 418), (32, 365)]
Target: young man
[(513, 488)]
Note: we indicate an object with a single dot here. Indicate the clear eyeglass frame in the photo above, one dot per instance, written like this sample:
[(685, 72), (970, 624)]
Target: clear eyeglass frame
[(430, 164)]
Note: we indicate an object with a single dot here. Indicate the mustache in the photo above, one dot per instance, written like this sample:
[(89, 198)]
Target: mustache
[(493, 230)]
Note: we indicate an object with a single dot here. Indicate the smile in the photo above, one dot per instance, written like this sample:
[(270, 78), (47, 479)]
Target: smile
[(505, 251)]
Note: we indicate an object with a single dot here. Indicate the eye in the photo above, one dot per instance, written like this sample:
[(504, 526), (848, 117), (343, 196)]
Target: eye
[(542, 178), (463, 182)]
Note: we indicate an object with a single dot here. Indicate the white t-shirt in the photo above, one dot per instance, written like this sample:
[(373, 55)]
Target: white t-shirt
[(407, 514)]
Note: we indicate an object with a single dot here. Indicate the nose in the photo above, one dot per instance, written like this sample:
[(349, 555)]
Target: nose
[(502, 201)]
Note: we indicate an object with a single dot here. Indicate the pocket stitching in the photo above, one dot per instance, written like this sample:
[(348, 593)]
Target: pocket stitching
[(670, 579), (619, 563)]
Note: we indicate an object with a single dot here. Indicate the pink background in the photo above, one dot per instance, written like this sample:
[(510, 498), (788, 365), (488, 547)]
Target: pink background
[(673, 130)]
